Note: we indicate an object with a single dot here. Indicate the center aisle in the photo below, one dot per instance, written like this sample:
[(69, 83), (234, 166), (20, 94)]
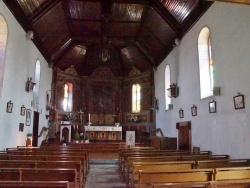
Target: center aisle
[(104, 174)]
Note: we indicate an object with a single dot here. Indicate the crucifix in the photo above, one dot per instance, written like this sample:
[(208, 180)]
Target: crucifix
[(80, 115)]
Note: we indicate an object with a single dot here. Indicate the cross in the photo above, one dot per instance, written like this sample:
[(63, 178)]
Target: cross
[(80, 115)]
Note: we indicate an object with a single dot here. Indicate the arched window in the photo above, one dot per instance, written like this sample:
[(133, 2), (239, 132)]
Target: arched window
[(37, 81), (136, 98), (3, 42), (205, 64), (67, 100), (167, 85)]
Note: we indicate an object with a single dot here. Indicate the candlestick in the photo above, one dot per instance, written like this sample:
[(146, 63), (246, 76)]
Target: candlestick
[(89, 117)]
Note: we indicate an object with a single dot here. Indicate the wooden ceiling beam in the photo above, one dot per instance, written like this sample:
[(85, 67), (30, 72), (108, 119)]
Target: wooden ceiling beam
[(145, 53), (60, 50), (167, 17), (44, 10)]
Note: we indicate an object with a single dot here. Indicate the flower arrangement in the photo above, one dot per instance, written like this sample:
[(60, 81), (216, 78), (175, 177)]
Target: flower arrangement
[(133, 118), (86, 136), (81, 136), (70, 117), (77, 136)]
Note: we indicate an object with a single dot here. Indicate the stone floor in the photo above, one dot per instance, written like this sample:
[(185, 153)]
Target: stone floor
[(104, 171)]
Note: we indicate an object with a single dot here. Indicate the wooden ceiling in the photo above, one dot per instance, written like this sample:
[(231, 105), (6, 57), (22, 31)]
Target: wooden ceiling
[(139, 33)]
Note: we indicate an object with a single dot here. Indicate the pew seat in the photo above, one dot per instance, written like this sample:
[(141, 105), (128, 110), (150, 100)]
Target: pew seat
[(34, 184)]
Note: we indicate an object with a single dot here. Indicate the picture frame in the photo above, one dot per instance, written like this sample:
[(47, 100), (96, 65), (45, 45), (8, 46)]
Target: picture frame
[(22, 112), (239, 102), (181, 113), (9, 107), (212, 107), (194, 110), (21, 127), (28, 117)]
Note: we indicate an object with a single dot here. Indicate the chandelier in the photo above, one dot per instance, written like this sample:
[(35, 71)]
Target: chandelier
[(104, 55)]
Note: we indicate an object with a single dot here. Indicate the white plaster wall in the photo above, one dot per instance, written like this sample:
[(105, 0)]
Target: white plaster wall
[(228, 130), (21, 55)]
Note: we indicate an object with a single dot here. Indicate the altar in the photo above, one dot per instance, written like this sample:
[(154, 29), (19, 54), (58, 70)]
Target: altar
[(104, 133)]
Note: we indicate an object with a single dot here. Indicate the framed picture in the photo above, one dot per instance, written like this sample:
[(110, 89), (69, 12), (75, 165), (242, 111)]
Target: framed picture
[(9, 107), (28, 117), (194, 110), (212, 107), (22, 112), (239, 102), (181, 113), (21, 126)]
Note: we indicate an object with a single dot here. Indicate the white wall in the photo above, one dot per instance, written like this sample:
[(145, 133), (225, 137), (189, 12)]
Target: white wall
[(21, 55), (228, 130)]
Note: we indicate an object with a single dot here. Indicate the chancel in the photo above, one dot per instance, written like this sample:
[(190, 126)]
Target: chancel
[(121, 97)]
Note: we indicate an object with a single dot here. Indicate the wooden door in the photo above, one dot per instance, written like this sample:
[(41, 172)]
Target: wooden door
[(35, 128), (184, 135)]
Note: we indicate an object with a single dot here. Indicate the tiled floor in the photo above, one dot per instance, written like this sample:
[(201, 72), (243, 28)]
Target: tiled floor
[(104, 176)]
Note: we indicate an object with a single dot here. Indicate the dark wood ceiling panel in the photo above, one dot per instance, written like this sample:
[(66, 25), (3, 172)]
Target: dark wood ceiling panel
[(85, 28), (127, 12), (138, 33), (57, 38), (179, 9), (159, 28), (75, 56), (50, 22), (86, 10), (31, 6), (124, 29), (150, 43), (132, 56)]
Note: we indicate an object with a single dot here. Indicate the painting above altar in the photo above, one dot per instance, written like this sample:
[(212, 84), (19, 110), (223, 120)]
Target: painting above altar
[(102, 119)]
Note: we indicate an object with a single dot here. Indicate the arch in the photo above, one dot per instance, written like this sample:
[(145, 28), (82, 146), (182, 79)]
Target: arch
[(205, 63), (167, 85), (136, 97), (3, 44), (67, 96), (37, 81)]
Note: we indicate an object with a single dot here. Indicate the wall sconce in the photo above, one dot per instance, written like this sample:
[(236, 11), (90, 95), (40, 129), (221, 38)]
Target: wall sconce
[(30, 85), (173, 91)]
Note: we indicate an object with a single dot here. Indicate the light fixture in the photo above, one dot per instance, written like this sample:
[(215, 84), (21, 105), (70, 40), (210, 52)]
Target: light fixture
[(104, 55), (30, 85), (173, 91)]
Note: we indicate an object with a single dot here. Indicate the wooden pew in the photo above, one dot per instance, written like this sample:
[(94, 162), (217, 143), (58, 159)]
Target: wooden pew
[(46, 165), (156, 167), (244, 183), (38, 174), (124, 154), (231, 173), (241, 183), (50, 152), (50, 158), (180, 165), (34, 184), (129, 161), (181, 185), (162, 153), (218, 174), (146, 178), (222, 163)]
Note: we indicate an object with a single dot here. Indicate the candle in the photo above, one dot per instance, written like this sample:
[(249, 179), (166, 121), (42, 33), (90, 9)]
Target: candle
[(89, 117)]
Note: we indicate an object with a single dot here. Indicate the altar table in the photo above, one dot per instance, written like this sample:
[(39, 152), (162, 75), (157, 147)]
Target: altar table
[(104, 133)]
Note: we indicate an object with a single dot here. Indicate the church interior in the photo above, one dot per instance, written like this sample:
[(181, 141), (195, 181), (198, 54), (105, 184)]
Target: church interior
[(139, 93)]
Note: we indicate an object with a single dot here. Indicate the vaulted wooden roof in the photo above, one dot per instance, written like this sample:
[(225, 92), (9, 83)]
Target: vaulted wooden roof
[(139, 33)]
